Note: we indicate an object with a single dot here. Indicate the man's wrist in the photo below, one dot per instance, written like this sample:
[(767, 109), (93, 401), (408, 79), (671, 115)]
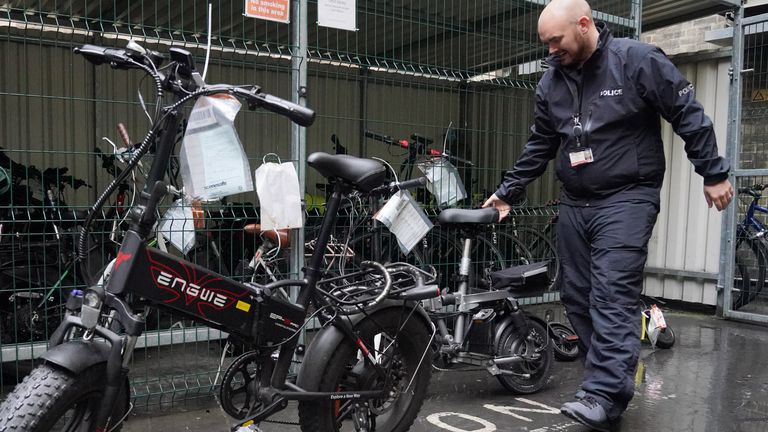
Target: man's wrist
[(715, 179)]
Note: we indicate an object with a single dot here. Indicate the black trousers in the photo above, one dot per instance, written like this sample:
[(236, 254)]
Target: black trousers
[(603, 250)]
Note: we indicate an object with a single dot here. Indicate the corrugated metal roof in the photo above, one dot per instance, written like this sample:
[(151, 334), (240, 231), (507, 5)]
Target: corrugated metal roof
[(661, 13)]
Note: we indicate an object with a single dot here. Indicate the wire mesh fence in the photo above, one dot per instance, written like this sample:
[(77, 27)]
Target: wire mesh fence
[(751, 247), (449, 76)]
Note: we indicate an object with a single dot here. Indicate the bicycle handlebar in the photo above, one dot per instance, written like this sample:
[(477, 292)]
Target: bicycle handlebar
[(394, 186), (130, 59), (754, 190), (406, 144), (300, 115)]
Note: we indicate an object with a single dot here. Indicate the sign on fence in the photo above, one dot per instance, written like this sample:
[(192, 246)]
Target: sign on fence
[(272, 10)]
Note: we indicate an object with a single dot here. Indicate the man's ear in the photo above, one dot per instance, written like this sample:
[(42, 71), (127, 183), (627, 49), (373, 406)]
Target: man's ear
[(583, 24)]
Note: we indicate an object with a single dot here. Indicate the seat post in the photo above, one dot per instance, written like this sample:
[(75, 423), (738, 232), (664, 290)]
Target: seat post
[(463, 286)]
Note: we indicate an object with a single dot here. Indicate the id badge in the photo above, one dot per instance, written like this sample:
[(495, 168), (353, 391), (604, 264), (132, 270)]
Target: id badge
[(581, 156)]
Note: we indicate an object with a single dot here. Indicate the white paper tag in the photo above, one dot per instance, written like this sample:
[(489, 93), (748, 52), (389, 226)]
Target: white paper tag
[(405, 219), (178, 226)]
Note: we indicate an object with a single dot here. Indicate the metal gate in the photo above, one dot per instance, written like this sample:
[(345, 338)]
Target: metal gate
[(744, 251)]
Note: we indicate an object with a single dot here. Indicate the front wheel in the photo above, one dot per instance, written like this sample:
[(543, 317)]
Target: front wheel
[(52, 399), (533, 349), (397, 347)]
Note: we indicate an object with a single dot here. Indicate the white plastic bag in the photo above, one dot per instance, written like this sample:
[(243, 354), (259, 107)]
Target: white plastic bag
[(656, 323), (444, 181), (277, 185), (213, 162), (178, 226)]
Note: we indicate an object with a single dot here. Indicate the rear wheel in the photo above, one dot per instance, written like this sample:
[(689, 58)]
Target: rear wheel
[(749, 271), (52, 399), (531, 371), (398, 348)]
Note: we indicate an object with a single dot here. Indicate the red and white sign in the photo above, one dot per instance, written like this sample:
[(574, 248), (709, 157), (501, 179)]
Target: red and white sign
[(272, 10)]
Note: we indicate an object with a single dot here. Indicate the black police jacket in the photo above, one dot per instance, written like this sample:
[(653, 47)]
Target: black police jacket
[(616, 99)]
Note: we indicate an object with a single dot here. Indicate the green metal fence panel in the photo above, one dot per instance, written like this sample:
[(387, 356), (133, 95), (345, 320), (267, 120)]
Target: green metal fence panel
[(746, 254)]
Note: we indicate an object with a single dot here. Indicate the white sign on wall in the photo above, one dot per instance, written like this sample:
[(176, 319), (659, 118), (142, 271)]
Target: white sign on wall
[(338, 14)]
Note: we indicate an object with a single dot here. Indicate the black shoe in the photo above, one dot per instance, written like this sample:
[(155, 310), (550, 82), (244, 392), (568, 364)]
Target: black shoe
[(588, 412)]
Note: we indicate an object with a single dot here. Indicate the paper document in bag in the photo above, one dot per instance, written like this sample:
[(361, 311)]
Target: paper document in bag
[(178, 226), (213, 162), (405, 219)]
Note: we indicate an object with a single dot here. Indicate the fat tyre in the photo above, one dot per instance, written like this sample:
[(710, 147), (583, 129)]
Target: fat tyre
[(344, 371), (52, 399), (528, 376)]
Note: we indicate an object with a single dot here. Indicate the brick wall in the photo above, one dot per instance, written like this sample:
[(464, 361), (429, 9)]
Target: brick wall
[(686, 37)]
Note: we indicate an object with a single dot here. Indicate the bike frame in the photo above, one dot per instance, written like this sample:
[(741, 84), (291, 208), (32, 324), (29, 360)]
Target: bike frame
[(131, 266), (466, 302), (750, 221)]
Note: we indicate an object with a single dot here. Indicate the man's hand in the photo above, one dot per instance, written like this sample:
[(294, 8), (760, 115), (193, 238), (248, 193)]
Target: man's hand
[(719, 194), (499, 204)]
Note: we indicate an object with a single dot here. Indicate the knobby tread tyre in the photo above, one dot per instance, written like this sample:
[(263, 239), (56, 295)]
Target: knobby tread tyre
[(343, 369), (40, 401)]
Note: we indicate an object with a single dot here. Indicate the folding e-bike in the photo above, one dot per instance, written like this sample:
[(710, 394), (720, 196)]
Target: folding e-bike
[(366, 369)]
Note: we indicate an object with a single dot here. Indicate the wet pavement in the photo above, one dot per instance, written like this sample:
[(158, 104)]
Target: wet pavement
[(715, 379)]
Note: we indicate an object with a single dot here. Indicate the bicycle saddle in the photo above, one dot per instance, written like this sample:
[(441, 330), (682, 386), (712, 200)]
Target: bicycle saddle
[(278, 237), (483, 216), (362, 174)]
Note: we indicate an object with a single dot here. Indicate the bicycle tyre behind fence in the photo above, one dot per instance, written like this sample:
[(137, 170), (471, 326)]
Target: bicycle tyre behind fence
[(751, 257), (541, 248)]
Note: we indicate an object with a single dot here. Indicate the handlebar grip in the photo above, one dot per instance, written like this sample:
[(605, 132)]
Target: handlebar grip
[(410, 184), (123, 132), (100, 55), (386, 139), (92, 53), (300, 115), (395, 186)]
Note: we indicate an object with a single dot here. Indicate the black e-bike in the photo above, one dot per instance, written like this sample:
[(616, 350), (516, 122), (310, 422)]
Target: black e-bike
[(367, 368)]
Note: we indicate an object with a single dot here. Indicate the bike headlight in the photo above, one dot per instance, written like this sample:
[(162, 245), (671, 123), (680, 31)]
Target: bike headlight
[(91, 299)]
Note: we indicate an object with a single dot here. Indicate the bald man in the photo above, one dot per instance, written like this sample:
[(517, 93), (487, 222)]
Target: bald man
[(597, 112)]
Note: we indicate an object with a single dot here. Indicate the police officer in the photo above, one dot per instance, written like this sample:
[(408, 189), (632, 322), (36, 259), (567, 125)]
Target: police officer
[(597, 112)]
